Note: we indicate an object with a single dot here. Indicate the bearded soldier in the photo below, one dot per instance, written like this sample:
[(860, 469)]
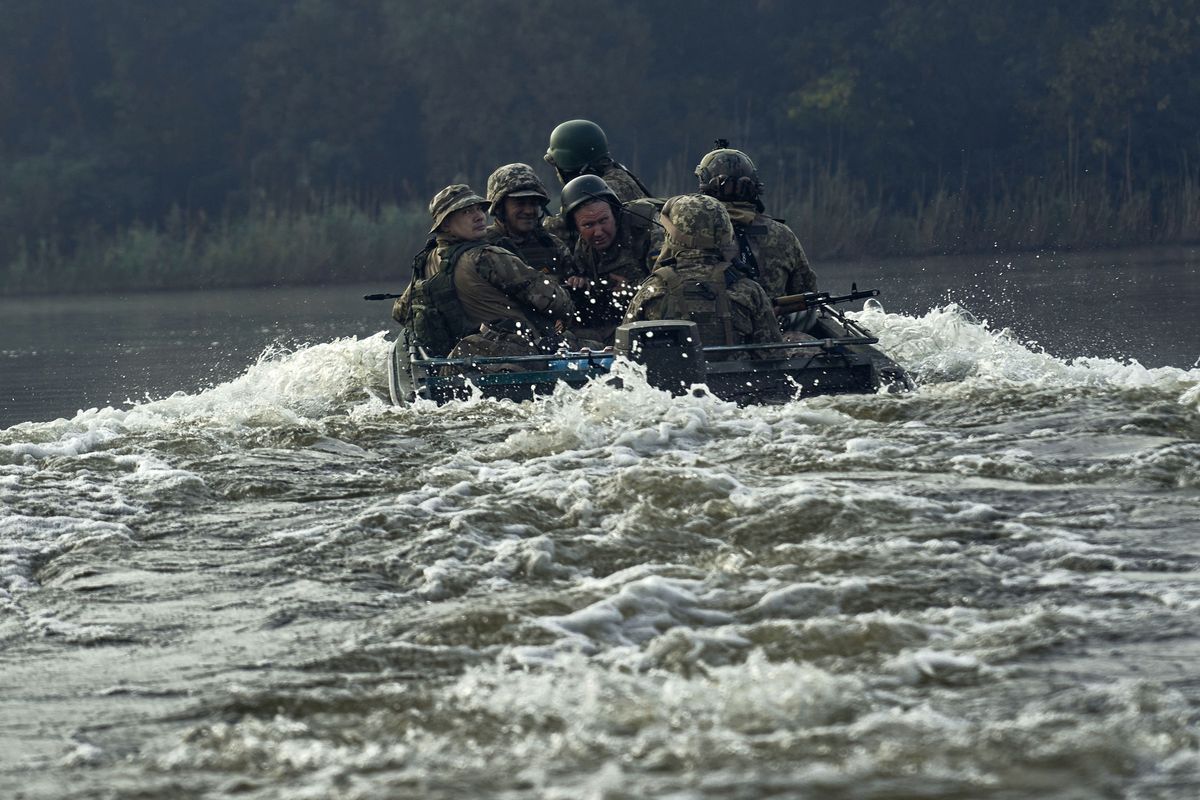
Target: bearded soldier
[(771, 252), (616, 248), (475, 297), (518, 203), (695, 280)]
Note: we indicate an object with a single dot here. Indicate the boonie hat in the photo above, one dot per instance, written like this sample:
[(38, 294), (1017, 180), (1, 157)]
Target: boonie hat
[(451, 199)]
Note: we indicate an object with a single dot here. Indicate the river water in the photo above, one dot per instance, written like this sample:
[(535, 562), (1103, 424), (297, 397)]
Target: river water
[(256, 579)]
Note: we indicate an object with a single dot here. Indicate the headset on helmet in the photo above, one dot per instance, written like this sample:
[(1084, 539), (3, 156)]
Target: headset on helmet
[(728, 174)]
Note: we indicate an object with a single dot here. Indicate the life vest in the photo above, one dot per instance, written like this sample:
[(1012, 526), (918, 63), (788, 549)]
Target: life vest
[(436, 319)]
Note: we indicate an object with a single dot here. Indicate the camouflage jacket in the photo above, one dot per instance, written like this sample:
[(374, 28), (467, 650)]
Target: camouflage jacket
[(631, 256), (728, 308), (539, 249), (624, 184), (781, 263), (492, 284)]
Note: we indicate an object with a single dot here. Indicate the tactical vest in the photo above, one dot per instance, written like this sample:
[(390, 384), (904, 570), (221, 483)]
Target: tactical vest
[(704, 302), (436, 319), (541, 253)]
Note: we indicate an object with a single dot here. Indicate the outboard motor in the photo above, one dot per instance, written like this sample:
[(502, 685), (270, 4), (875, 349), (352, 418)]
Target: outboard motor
[(669, 349)]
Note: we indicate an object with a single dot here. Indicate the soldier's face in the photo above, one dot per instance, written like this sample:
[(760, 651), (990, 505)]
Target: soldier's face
[(467, 223), (596, 224), (521, 214)]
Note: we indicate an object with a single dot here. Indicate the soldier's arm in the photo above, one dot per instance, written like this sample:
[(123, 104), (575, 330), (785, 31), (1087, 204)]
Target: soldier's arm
[(801, 277), (518, 280), (766, 324), (400, 307)]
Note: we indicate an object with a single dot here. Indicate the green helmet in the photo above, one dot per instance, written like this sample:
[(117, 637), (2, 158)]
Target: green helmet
[(575, 144), (451, 199), (582, 190), (729, 175), (697, 222), (514, 180)]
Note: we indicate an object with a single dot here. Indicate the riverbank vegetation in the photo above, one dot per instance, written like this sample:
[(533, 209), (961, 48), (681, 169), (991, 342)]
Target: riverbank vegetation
[(220, 143)]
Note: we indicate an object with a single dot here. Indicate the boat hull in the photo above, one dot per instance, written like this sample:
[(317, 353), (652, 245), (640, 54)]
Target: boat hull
[(835, 357)]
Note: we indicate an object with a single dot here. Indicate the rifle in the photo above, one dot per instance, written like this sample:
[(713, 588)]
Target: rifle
[(793, 303), (381, 296)]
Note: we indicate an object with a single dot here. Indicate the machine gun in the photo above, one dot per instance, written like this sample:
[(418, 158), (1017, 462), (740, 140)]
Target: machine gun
[(794, 303)]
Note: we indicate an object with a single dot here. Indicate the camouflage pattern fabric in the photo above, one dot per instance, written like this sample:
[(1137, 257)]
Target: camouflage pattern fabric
[(541, 250), (690, 289), (623, 182), (493, 284), (514, 180), (632, 254), (619, 270), (491, 342), (696, 222), (454, 197), (624, 185), (783, 267)]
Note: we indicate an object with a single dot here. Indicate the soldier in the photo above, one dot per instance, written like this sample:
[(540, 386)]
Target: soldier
[(695, 280), (617, 245), (771, 252), (518, 202), (475, 297), (580, 147)]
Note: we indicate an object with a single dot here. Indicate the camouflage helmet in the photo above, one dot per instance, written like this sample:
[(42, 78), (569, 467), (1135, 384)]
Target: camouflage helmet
[(576, 143), (582, 190), (451, 199), (514, 180), (697, 222), (729, 175)]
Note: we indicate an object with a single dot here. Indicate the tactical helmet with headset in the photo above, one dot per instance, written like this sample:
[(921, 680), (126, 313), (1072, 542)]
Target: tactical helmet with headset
[(728, 174)]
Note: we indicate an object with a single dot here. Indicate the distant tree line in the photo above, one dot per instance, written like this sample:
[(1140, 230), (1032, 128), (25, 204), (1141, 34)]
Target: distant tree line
[(196, 133)]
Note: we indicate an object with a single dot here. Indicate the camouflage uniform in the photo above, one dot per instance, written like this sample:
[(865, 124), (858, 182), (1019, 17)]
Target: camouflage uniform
[(770, 250), (539, 248), (627, 262), (782, 265), (514, 304), (580, 147), (694, 280)]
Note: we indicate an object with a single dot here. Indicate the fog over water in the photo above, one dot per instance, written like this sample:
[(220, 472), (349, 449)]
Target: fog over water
[(273, 584)]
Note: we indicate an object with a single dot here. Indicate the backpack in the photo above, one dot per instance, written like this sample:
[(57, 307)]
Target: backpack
[(436, 319)]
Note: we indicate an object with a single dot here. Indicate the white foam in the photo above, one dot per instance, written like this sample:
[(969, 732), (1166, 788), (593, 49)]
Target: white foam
[(281, 388), (948, 345), (28, 540)]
